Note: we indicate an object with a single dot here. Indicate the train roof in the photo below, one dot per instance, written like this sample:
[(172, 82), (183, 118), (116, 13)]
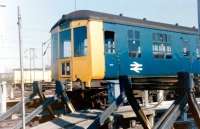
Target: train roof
[(93, 15)]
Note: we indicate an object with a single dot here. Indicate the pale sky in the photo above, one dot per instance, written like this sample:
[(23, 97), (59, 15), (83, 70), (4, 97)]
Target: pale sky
[(38, 16)]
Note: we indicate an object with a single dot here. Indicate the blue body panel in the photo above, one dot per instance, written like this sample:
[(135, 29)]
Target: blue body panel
[(119, 63)]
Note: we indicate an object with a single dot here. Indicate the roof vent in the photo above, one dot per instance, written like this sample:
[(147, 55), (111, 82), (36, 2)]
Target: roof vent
[(194, 27), (121, 14), (176, 24)]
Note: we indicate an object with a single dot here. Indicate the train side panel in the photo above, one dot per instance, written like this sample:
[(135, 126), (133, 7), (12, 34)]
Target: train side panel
[(118, 63)]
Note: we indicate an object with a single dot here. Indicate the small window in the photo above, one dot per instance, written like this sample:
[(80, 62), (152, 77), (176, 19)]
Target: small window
[(64, 25), (65, 68), (80, 41), (186, 51), (168, 52), (198, 52), (161, 46), (109, 42), (130, 34), (137, 35), (186, 47), (134, 43)]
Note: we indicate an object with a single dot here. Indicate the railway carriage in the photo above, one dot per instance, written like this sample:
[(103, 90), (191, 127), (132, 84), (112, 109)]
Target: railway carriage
[(90, 46)]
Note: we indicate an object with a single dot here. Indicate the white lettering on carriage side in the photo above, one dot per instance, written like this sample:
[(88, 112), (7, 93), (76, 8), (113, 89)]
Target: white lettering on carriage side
[(136, 67)]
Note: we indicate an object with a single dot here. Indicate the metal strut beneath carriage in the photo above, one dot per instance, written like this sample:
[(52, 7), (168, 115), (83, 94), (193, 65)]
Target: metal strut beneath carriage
[(45, 103), (184, 89)]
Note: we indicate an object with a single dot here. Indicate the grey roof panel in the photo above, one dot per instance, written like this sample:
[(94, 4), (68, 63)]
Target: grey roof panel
[(87, 14)]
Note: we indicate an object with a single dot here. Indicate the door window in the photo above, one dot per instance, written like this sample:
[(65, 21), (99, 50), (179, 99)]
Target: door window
[(109, 42)]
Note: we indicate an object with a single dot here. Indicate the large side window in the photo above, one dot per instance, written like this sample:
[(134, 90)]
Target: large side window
[(161, 46), (134, 49), (54, 48), (54, 52), (80, 41), (109, 42), (65, 43)]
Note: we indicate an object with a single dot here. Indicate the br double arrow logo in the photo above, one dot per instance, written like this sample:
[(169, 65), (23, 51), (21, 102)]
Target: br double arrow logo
[(136, 67)]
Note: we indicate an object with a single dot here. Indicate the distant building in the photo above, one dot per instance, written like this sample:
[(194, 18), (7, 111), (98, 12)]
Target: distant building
[(35, 74), (8, 77)]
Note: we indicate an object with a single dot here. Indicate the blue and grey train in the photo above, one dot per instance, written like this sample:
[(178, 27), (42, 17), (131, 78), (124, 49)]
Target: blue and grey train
[(89, 46)]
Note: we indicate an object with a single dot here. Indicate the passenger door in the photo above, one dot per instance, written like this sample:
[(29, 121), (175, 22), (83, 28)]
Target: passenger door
[(111, 60)]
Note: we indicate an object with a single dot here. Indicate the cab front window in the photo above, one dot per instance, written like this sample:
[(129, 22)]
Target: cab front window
[(80, 41), (65, 43)]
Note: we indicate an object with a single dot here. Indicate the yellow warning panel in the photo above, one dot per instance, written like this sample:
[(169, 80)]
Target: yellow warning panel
[(91, 65), (96, 39)]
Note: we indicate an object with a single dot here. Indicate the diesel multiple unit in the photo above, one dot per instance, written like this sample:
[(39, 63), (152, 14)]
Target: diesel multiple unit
[(88, 46)]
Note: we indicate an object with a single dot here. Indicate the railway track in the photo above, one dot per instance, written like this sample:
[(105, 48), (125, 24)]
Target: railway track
[(183, 82)]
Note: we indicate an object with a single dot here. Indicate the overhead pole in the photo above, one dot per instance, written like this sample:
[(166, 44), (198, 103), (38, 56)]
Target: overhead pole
[(44, 51), (43, 63), (21, 67), (33, 49), (75, 5), (30, 65), (198, 7)]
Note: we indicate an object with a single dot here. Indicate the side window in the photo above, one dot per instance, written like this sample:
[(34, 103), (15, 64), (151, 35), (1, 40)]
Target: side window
[(161, 46), (186, 47), (134, 49), (80, 41), (198, 51), (54, 44), (109, 42)]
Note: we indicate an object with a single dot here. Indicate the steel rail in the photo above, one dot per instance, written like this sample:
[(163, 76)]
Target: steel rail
[(102, 117), (194, 108), (168, 119), (124, 81), (36, 112)]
